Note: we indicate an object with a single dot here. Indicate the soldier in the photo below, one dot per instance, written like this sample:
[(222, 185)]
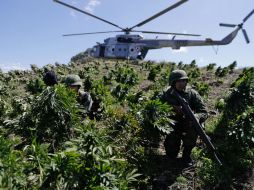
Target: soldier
[(74, 82), (183, 128)]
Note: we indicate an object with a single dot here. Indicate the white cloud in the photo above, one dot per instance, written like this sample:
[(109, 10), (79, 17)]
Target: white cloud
[(73, 14), (91, 5), (74, 2), (181, 50), (12, 66)]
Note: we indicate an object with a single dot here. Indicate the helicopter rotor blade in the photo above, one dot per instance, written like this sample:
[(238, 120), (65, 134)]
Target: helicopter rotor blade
[(159, 14), (248, 16), (87, 13), (246, 36), (171, 33), (87, 33), (228, 25)]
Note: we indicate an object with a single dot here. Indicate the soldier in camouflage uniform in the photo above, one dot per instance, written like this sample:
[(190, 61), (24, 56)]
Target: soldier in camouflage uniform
[(183, 130), (85, 100)]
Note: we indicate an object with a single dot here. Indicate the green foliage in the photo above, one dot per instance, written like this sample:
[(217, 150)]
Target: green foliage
[(80, 56), (37, 163), (232, 66), (18, 107), (44, 143), (88, 164), (235, 131), (208, 172), (124, 133), (220, 104), (241, 129), (4, 107), (154, 72), (135, 98), (35, 86), (242, 95), (221, 72), (164, 80), (3, 89), (193, 63), (88, 83), (181, 179), (202, 88), (125, 75), (101, 98), (180, 65), (194, 73), (12, 168), (34, 68), (51, 117), (210, 67), (155, 120), (121, 91), (8, 106)]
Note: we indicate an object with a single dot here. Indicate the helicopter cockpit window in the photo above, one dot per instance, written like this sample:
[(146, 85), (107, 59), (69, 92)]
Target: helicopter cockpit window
[(124, 40), (130, 40)]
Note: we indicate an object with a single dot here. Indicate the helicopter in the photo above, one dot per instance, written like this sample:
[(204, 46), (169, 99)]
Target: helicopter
[(134, 46)]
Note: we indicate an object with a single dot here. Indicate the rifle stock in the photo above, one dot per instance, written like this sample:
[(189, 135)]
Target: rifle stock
[(189, 113)]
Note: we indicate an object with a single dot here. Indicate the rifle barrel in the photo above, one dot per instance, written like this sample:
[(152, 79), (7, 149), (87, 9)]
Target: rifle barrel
[(189, 113)]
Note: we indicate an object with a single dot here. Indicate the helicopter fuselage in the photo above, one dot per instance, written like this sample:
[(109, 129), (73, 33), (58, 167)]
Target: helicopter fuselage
[(136, 47), (122, 46)]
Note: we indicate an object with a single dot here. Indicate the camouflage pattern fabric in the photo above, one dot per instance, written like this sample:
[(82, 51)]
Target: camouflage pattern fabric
[(183, 129), (85, 101)]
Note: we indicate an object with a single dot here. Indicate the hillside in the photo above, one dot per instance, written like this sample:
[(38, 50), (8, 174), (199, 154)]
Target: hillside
[(45, 144)]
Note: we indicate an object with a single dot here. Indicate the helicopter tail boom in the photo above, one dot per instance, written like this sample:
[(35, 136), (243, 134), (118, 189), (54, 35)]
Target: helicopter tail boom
[(176, 44)]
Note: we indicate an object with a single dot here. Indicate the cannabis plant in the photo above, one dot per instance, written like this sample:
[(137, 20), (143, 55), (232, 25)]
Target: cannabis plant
[(52, 116)]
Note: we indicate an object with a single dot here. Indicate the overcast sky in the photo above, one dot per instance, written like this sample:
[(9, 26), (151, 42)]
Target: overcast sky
[(31, 31)]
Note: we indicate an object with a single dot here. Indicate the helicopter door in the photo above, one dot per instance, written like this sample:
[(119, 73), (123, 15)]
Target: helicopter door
[(102, 51)]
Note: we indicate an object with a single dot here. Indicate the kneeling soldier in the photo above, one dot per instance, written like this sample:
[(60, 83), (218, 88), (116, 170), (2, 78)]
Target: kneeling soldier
[(84, 99)]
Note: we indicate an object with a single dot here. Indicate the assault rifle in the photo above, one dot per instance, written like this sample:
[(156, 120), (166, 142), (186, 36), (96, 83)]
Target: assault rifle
[(188, 113)]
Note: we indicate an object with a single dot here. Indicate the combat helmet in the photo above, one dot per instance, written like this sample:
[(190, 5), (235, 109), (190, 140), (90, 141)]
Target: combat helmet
[(73, 80), (50, 78), (177, 75)]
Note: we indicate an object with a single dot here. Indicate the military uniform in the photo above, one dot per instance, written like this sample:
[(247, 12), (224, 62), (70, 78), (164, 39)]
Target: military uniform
[(84, 98), (183, 129)]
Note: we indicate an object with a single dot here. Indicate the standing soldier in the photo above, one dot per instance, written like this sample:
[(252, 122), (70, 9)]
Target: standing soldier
[(183, 129), (74, 82)]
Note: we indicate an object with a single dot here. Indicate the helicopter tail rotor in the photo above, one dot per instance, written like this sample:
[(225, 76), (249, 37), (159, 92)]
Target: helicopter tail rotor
[(241, 26), (245, 36)]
